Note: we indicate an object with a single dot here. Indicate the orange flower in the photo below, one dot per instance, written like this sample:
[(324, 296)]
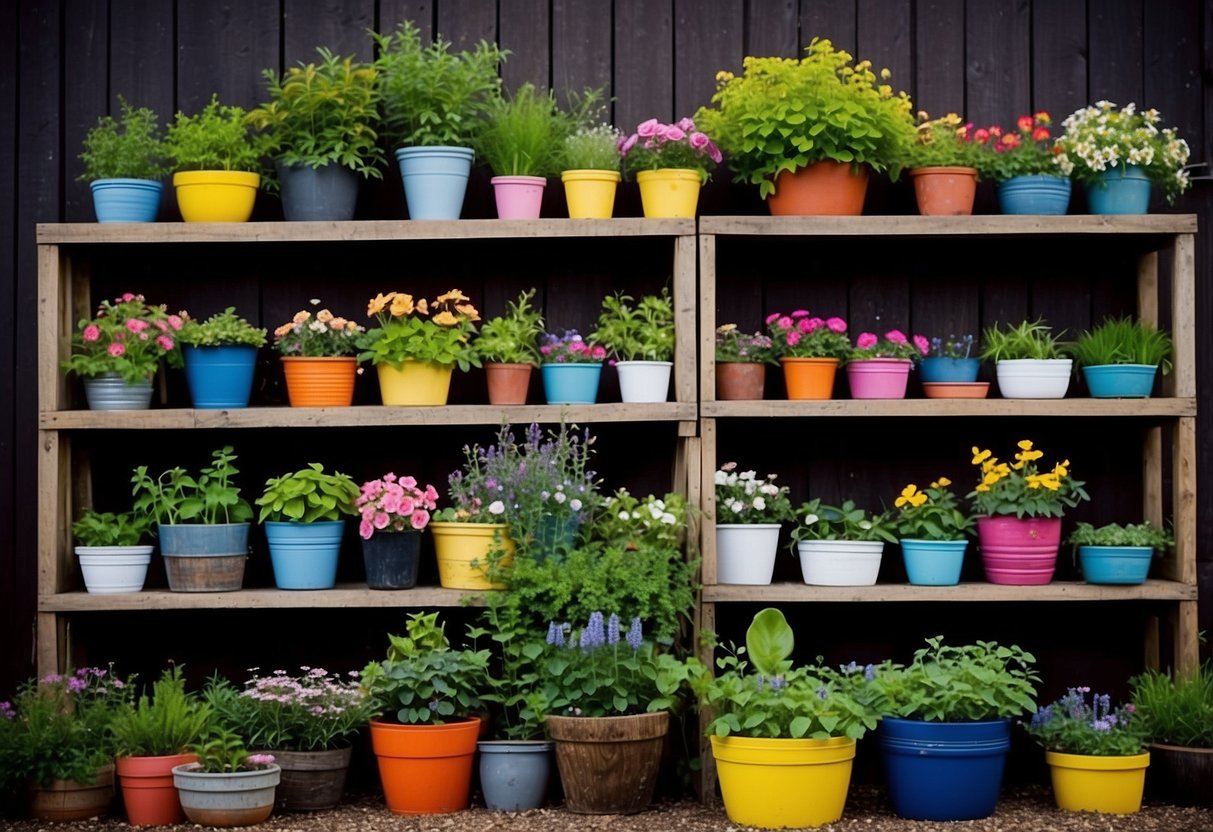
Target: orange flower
[(301, 317), (378, 303), (445, 318), (324, 316), (1040, 134), (423, 308), (468, 311), (1025, 123), (454, 295), (1011, 141), (1043, 117), (401, 305), (283, 330)]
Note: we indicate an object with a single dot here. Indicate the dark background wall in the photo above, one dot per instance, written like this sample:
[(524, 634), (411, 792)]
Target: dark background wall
[(62, 64)]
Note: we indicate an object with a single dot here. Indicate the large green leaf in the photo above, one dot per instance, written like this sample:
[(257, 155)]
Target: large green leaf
[(769, 641)]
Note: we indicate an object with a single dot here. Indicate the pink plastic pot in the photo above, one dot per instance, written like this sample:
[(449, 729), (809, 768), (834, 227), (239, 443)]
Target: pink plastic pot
[(518, 197), (1019, 552), (879, 378)]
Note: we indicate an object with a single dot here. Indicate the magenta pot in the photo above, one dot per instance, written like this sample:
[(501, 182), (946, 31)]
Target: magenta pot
[(879, 378), (1019, 551)]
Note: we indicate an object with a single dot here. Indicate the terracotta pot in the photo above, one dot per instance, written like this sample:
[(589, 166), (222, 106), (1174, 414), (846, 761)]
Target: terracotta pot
[(825, 188), (508, 383), (425, 769), (311, 780), (1019, 551), (609, 764), (65, 800), (320, 382), (147, 789), (740, 381), (945, 191), (809, 378)]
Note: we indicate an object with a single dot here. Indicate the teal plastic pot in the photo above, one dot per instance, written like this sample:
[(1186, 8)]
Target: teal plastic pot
[(514, 773), (126, 200), (304, 555), (933, 562), (571, 383), (1120, 381), (325, 193), (1124, 189), (435, 180), (938, 369), (220, 377), (1123, 565), (1038, 194)]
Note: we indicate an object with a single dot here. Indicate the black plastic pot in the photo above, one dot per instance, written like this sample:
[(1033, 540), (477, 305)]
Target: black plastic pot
[(391, 559), (327, 193)]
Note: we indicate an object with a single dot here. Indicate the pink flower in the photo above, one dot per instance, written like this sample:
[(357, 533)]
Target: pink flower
[(865, 340), (924, 346), (160, 325), (674, 134), (420, 518), (380, 520), (142, 336), (981, 135), (116, 349), (774, 316), (260, 759), (805, 325), (648, 128), (686, 124), (365, 529), (816, 323), (836, 324), (628, 144), (136, 325), (165, 342), (431, 494), (391, 503), (405, 505), (126, 297), (699, 141), (598, 353), (784, 323), (91, 332), (793, 338), (714, 153), (175, 321), (800, 313), (406, 482), (896, 336)]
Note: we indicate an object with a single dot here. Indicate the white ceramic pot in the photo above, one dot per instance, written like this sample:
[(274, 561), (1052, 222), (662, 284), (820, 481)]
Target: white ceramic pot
[(745, 552), (644, 381), (1034, 378), (111, 569), (840, 562)]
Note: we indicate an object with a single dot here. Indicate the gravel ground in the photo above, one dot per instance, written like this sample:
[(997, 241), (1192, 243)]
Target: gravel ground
[(1024, 810)]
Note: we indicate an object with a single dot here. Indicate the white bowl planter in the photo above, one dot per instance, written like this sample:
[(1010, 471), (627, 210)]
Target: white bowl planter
[(745, 552), (1033, 378), (644, 381), (840, 562), (111, 569)]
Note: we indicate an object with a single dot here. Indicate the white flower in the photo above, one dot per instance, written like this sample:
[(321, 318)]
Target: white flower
[(560, 497), (747, 475), (721, 478), (575, 504), (669, 519), (810, 519), (759, 504), (736, 507), (496, 507), (623, 515), (655, 511), (317, 326)]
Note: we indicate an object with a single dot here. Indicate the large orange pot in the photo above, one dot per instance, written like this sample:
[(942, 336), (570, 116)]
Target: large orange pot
[(147, 789), (425, 769), (809, 378), (945, 191), (824, 188), (320, 381)]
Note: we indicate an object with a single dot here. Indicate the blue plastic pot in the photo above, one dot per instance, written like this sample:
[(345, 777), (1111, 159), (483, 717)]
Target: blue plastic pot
[(220, 377), (949, 369), (943, 770), (514, 774), (1037, 194), (1120, 381), (571, 383), (126, 200), (304, 555), (1124, 189), (933, 562), (435, 179), (1115, 564)]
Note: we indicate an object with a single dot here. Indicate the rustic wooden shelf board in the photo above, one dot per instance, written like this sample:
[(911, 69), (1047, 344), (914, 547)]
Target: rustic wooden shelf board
[(1153, 590), (1127, 408), (981, 225), (344, 595)]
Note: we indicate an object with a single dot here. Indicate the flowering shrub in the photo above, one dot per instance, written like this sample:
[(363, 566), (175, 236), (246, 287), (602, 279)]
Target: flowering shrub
[(592, 148), (631, 522), (743, 498), (1102, 137), (1072, 725), (128, 337), (438, 332), (893, 344), (569, 348), (1028, 150), (943, 142), (679, 145), (933, 513), (1019, 488), (394, 504), (801, 335), (324, 335), (817, 521), (733, 345)]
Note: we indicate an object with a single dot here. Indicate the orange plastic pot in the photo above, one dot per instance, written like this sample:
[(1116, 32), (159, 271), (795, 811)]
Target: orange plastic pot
[(425, 769), (508, 383), (809, 378), (147, 789), (320, 381), (945, 191), (824, 188)]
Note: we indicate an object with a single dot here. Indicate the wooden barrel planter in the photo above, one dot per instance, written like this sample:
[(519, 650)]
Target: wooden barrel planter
[(311, 780), (609, 764), (67, 800)]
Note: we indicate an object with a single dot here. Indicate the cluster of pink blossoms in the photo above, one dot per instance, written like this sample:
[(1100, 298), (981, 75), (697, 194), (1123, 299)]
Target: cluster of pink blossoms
[(395, 502)]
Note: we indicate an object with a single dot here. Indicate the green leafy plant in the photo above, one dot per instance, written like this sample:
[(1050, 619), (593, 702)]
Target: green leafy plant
[(177, 497), (644, 332), (743, 498), (933, 513), (524, 134), (104, 528), (323, 335), (1123, 341), (512, 684), (216, 138), (224, 328), (591, 148), (1071, 725), (783, 114), (733, 345), (168, 722), (1028, 339), (222, 751), (307, 496), (405, 332), (1114, 534), (127, 336), (512, 338), (1020, 488), (1176, 709), (127, 148), (817, 521), (942, 142), (432, 96), (1028, 150)]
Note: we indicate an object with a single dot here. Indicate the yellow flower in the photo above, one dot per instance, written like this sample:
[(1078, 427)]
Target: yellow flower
[(991, 477), (1062, 468), (401, 305), (468, 311), (885, 74), (942, 482), (979, 456), (423, 308), (301, 317), (885, 91), (378, 303), (1050, 481), (283, 330), (1025, 444), (454, 295), (910, 495), (1029, 456), (982, 488), (723, 328), (445, 318), (1033, 482), (990, 464)]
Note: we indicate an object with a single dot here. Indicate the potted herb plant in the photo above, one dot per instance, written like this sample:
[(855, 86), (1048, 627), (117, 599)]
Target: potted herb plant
[(217, 163), (571, 367), (749, 512), (220, 356), (741, 363), (1025, 165), (228, 786), (1029, 361), (417, 345), (1097, 754), (435, 102), (840, 545), (112, 555), (809, 349), (124, 164), (202, 523), (641, 337), (932, 529), (393, 512), (508, 347), (150, 739), (879, 367), (1120, 357), (318, 358), (946, 729), (1177, 710), (428, 696), (302, 514), (1116, 554), (943, 165), (1119, 153), (1019, 506), (807, 131), (320, 128), (671, 162), (950, 370), (589, 164)]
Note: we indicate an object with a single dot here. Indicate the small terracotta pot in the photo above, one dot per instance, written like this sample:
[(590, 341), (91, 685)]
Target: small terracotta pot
[(508, 383), (147, 789), (320, 382), (825, 188), (740, 381), (945, 191), (809, 378)]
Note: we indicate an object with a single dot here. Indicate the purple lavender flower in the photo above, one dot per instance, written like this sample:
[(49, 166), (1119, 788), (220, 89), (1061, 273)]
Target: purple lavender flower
[(434, 705), (555, 635), (760, 682), (613, 629), (635, 636), (869, 672), (7, 711), (596, 631), (76, 684), (778, 683), (822, 693)]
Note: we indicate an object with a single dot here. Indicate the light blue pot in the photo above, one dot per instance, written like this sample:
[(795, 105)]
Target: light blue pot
[(304, 555), (939, 369), (435, 180), (933, 562), (1115, 564), (571, 383), (220, 377), (126, 200), (1037, 194), (1124, 189), (1120, 381)]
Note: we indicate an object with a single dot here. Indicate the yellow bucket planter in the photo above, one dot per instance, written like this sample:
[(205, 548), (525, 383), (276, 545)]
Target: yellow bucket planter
[(669, 192), (1084, 783), (590, 193), (415, 383), (463, 552), (216, 195), (778, 783)]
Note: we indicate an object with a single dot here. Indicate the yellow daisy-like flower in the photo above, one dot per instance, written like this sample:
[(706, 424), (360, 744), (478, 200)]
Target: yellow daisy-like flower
[(455, 296), (979, 456), (401, 305), (942, 482), (1062, 468), (445, 318), (378, 303), (423, 307), (982, 488), (910, 495), (1025, 444)]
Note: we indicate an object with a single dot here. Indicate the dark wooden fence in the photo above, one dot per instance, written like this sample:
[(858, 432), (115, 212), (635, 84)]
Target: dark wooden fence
[(62, 64)]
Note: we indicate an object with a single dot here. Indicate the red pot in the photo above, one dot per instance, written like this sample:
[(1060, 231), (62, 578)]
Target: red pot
[(147, 789)]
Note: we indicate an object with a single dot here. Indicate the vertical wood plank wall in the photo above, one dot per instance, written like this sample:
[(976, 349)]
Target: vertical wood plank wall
[(62, 64)]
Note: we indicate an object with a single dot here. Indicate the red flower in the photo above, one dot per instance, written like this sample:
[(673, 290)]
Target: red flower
[(1025, 123), (1040, 134), (1011, 141)]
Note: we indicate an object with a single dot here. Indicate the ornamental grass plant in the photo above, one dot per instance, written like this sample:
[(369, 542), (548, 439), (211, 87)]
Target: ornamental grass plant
[(1123, 341), (1028, 339), (165, 723), (525, 134), (1176, 708)]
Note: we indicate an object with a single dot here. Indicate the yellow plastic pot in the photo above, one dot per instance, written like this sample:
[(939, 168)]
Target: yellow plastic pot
[(463, 552), (415, 383), (669, 192), (1082, 783), (216, 195), (777, 783), (590, 193)]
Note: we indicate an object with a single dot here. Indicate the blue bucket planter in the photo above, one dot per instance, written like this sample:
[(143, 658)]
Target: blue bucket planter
[(944, 770), (571, 383), (126, 200), (514, 773), (1120, 190), (1115, 564), (1037, 194), (1120, 381), (939, 369), (304, 555), (220, 377), (435, 180), (933, 562)]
